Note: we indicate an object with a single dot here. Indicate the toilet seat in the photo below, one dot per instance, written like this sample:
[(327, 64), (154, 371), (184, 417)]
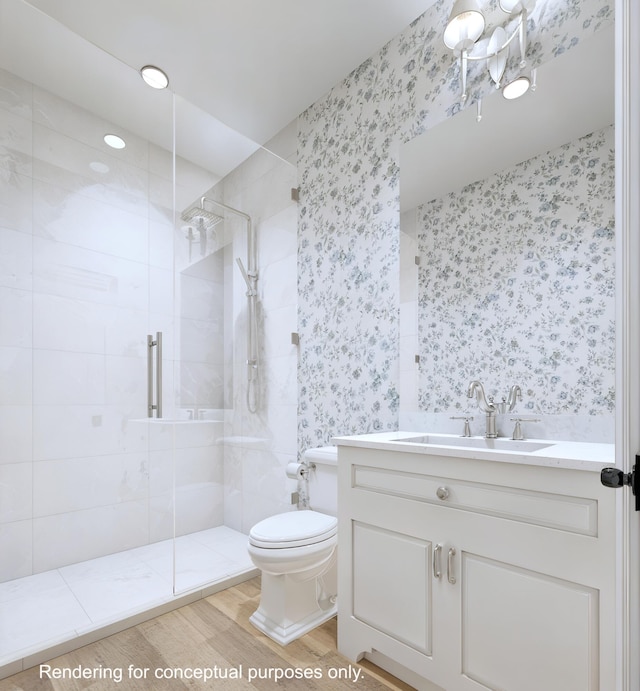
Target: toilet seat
[(293, 529)]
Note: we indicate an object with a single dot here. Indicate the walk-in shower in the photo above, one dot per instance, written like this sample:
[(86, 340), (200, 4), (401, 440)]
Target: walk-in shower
[(114, 501), (130, 468), (250, 276)]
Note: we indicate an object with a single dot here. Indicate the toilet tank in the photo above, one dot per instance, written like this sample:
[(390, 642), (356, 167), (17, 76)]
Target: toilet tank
[(323, 480)]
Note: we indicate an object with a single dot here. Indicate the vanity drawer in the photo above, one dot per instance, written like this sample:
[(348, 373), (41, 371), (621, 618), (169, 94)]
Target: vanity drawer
[(559, 511)]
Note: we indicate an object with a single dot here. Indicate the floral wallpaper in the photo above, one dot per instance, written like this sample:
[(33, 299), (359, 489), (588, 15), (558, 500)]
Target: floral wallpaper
[(517, 286), (348, 225)]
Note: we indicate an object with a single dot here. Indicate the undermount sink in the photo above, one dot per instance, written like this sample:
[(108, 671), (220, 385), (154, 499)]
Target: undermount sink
[(499, 444)]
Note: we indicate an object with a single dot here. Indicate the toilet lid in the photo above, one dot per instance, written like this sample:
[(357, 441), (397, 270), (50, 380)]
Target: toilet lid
[(293, 529)]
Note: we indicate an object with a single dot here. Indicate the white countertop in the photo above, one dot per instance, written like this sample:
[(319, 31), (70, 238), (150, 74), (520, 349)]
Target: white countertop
[(589, 456)]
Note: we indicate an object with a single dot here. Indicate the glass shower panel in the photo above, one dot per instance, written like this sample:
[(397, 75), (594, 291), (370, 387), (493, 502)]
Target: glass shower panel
[(206, 151), (225, 371)]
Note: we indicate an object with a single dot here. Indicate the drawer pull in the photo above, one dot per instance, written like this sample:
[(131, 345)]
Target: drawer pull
[(442, 493), (437, 551), (450, 576)]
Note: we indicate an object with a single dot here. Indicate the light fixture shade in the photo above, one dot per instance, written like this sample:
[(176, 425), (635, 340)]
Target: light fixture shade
[(465, 25), (518, 87), (514, 6), (498, 59)]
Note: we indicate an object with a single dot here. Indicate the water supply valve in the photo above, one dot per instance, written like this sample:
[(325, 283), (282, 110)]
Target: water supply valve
[(517, 430), (467, 427)]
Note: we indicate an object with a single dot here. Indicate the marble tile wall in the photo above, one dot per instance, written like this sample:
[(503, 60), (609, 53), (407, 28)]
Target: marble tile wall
[(259, 445), (86, 271)]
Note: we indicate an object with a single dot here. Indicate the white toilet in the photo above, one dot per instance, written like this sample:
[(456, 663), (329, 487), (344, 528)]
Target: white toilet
[(296, 552)]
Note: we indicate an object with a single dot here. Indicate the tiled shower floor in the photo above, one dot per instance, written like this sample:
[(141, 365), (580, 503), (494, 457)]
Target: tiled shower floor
[(50, 609)]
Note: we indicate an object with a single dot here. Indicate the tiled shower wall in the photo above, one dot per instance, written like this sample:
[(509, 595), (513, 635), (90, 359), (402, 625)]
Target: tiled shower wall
[(259, 445), (88, 255), (349, 257), (87, 272)]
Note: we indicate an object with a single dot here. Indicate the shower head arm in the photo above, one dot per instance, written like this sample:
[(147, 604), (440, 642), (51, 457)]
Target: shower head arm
[(251, 251), (224, 206)]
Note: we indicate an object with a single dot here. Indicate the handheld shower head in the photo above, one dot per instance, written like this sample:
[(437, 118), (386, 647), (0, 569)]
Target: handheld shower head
[(243, 272)]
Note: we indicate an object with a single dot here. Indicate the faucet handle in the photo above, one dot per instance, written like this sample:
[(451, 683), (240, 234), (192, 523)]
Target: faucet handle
[(517, 430), (467, 427)]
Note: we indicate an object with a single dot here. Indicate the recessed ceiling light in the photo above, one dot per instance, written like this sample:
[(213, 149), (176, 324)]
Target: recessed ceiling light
[(114, 141), (154, 77)]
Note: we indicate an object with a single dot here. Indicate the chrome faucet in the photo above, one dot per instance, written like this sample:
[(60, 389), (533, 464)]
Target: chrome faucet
[(488, 407), (515, 394)]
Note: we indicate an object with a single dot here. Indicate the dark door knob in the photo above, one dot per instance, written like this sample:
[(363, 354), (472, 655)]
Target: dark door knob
[(614, 477)]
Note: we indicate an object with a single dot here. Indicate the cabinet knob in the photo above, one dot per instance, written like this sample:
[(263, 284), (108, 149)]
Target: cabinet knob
[(442, 493)]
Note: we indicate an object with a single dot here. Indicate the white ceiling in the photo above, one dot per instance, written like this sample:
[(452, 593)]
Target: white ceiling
[(252, 64), (244, 69)]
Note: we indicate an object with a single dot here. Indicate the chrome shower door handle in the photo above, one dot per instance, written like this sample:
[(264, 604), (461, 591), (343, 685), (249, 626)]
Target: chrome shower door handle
[(450, 577), (437, 551), (150, 406), (159, 374), (157, 344)]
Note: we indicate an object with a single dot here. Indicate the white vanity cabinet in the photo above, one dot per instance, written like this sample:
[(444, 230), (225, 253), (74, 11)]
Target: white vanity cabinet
[(460, 573)]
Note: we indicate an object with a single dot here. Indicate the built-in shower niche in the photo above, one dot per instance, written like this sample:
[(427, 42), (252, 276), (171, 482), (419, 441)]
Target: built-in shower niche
[(201, 355)]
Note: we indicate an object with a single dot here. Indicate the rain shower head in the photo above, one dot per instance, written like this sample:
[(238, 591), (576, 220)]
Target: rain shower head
[(196, 214)]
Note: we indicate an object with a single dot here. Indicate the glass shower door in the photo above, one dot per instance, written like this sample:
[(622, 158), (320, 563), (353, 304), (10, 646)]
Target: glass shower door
[(86, 243)]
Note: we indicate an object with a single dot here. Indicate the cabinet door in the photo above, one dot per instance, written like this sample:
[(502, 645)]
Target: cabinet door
[(388, 601), (525, 630), (392, 585)]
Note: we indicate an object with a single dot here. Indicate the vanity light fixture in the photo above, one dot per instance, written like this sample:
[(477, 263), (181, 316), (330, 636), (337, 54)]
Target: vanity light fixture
[(464, 29), (518, 87), (154, 77), (114, 141)]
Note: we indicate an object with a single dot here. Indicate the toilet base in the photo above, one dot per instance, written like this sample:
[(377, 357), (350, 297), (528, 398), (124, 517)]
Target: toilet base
[(289, 608), (285, 634)]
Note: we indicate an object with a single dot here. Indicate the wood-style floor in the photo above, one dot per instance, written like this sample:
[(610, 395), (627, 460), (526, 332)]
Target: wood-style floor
[(211, 636)]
